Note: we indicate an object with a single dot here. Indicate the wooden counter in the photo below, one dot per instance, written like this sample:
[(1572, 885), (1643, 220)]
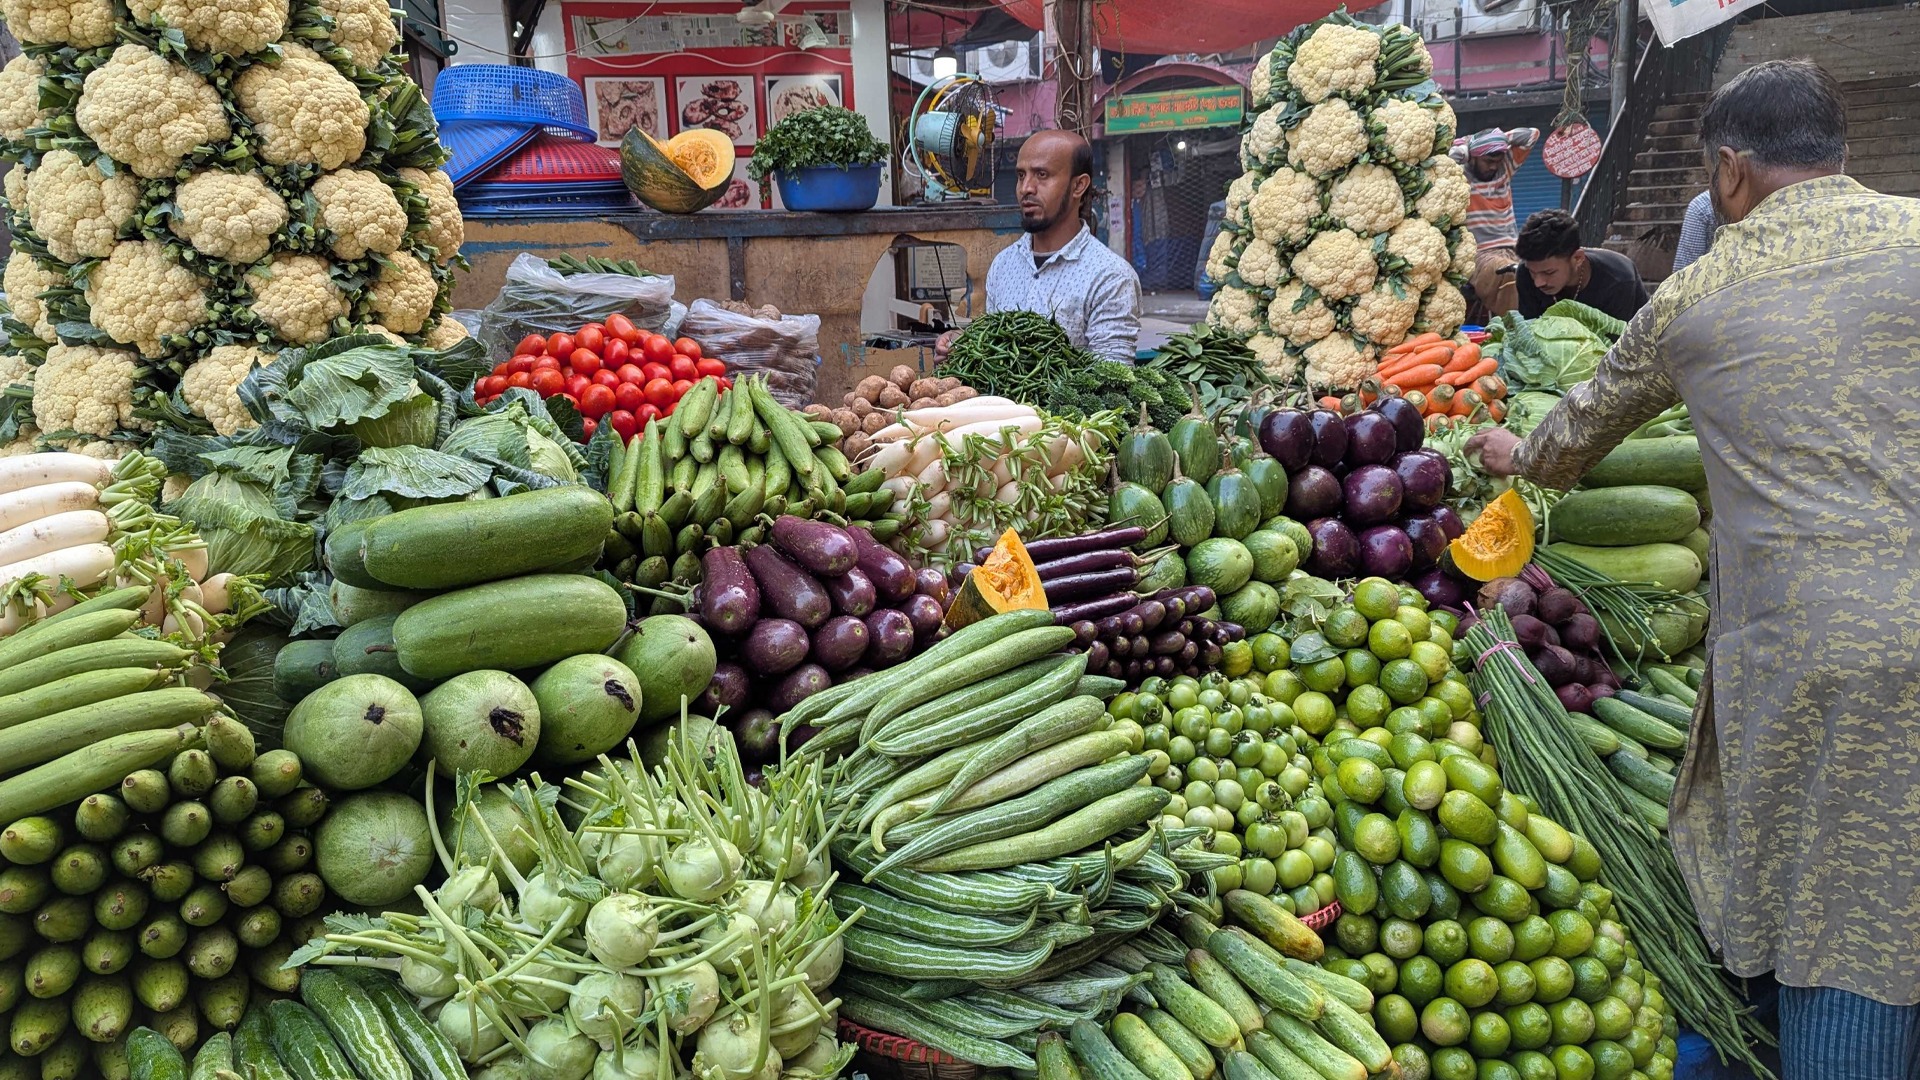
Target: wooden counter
[(800, 263)]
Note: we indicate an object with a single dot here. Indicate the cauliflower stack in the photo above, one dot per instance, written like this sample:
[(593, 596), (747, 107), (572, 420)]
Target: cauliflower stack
[(194, 186), (1344, 235)]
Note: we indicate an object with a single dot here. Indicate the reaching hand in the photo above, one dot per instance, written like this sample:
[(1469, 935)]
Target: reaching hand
[(943, 345), (1494, 447)]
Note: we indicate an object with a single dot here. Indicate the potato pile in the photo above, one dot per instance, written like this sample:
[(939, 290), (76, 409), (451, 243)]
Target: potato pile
[(876, 401)]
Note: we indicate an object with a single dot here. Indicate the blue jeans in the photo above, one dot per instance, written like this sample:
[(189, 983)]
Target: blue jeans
[(1828, 1034)]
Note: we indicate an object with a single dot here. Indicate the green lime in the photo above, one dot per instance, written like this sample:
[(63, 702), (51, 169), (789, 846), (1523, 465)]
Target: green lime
[(1447, 943), (1409, 720), (1314, 711), (1435, 713), (1443, 619), (1490, 939), (1465, 866), (1283, 685), (1425, 785), (1357, 934), (1270, 652), (1326, 676), (1612, 1018), (1453, 1063), (1404, 681), (1552, 979), (1591, 982), (1441, 638), (1531, 1026), (1572, 933), (1236, 659), (1490, 1035), (1611, 1061), (1572, 1021), (1533, 1065), (1374, 836), (1376, 598), (1401, 938), (1432, 659), (1445, 1022), (1496, 1069), (1415, 620), (1641, 1046), (1346, 628), (1420, 977), (1516, 983), (1368, 706), (1572, 1063), (1382, 972), (1412, 1062), (1472, 983), (1585, 862), (1389, 639), (1532, 938), (1467, 818), (1396, 1019), (1349, 968), (1608, 952), (1363, 668), (1455, 693)]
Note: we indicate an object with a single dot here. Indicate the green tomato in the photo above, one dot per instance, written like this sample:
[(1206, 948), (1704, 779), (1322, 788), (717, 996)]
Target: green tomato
[(1219, 742), (1158, 763), (1251, 779), (1199, 817), (1194, 722), (1212, 700), (1228, 794), (1293, 780), (1181, 697), (1156, 737), (1271, 796), (1225, 843), (1250, 813), (1226, 878), (1204, 769), (1273, 758), (1238, 693), (1199, 793), (1267, 838), (1247, 749), (1258, 876)]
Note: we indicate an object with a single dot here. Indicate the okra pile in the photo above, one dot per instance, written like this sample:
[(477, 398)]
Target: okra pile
[(169, 901)]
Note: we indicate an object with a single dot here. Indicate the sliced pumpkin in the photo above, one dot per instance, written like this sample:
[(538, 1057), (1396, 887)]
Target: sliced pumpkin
[(1005, 581), (687, 173), (1499, 543)]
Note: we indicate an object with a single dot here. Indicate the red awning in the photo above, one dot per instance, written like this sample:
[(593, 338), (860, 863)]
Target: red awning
[(1160, 27)]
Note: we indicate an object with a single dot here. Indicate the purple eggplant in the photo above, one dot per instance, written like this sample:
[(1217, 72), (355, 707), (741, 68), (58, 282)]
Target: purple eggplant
[(1287, 436), (1372, 495), (840, 644), (1098, 655), (1329, 437), (775, 646), (1428, 540), (1086, 563), (1086, 586), (892, 576), (731, 687), (931, 582), (1336, 551), (1371, 439), (1313, 492), (1069, 614), (729, 596), (1085, 633), (1386, 552), (1423, 480), (889, 637), (1440, 588), (791, 592), (926, 615), (1409, 428), (822, 548), (1060, 547), (852, 593), (756, 732), (799, 685), (1449, 521)]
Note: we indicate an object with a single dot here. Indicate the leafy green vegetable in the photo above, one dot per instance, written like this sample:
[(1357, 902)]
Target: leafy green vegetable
[(1554, 352), (1222, 369), (520, 440), (412, 472), (1026, 356), (244, 531), (1592, 318), (412, 421), (823, 135)]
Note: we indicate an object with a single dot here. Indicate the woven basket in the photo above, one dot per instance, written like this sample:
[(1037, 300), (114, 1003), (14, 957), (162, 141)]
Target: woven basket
[(1323, 918), (898, 1056)]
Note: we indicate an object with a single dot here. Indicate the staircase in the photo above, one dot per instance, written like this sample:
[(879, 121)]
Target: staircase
[(1874, 53)]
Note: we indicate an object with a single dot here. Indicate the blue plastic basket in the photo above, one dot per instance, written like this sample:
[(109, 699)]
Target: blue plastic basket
[(475, 147), (514, 95)]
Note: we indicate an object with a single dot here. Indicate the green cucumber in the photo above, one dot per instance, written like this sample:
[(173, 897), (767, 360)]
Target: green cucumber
[(1145, 1050), (1674, 715), (1215, 981), (1199, 1013), (1354, 1034), (151, 1056), (1103, 1059), (1628, 720), (214, 1055), (1322, 1056), (450, 545), (1054, 1060), (1641, 776), (1624, 516), (1279, 1060), (1264, 972), (1671, 685), (1241, 1065), (1188, 1047), (553, 616)]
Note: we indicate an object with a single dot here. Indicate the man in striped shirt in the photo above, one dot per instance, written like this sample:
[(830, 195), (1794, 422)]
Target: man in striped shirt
[(1490, 158)]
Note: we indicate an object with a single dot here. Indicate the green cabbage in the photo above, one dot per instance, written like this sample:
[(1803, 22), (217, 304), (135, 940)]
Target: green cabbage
[(247, 663), (514, 438), (244, 532), (413, 421)]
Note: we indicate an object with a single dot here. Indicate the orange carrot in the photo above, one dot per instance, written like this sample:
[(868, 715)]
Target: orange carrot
[(1415, 398), (1397, 364), (1491, 387), (1414, 344), (1464, 357), (1331, 401), (1463, 378), (1497, 410), (1421, 373)]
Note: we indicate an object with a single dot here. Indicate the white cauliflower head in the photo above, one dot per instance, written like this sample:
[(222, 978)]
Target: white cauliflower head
[(85, 390), (83, 24), (1260, 82), (140, 296), (1336, 263), (1260, 265), (361, 213), (1367, 199), (403, 294), (226, 215), (1404, 131), (15, 368), (13, 187), (1237, 311), (1383, 314), (445, 332), (1273, 356), (1328, 140), (1445, 202), (231, 27), (211, 385), (25, 280), (364, 28), (1464, 251), (1442, 310), (20, 96), (1423, 247), (1338, 362), (444, 229), (1264, 141), (376, 328), (1298, 318), (297, 298), (1221, 258), (305, 111), (78, 210), (1239, 194), (149, 112), (1284, 206), (1334, 59)]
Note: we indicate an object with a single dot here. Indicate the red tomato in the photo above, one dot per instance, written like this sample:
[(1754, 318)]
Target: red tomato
[(500, 368), (619, 326), (531, 345), (584, 361), (489, 386), (687, 347), (707, 365), (645, 413), (623, 423), (680, 388), (545, 363), (519, 364), (628, 396), (650, 371), (596, 402), (616, 352), (726, 384), (631, 373), (588, 426), (682, 368), (548, 382), (606, 378), (577, 385), (660, 393), (561, 345), (520, 378), (591, 336), (658, 350)]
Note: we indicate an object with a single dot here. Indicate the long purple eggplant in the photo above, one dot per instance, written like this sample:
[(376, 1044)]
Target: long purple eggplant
[(1085, 586), (892, 576), (790, 591), (1086, 563), (823, 548), (1094, 609), (1061, 546), (729, 596)]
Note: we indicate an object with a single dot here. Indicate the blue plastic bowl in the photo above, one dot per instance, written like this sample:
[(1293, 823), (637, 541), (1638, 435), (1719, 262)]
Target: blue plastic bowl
[(828, 188)]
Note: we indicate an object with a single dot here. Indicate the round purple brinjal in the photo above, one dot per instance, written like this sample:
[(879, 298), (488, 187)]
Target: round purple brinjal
[(889, 637), (1329, 437), (1439, 587), (931, 582), (1428, 541), (1336, 551), (800, 684), (1313, 492), (1450, 522), (1287, 436), (775, 646), (926, 614), (1372, 495), (731, 688), (757, 734), (1423, 480), (1371, 439), (840, 643), (1409, 429), (1386, 552)]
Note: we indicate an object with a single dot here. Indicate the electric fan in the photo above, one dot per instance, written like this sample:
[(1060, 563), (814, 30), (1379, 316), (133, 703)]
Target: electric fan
[(951, 148)]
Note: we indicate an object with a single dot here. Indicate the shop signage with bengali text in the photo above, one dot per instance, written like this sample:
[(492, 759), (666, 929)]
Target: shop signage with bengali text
[(1172, 110)]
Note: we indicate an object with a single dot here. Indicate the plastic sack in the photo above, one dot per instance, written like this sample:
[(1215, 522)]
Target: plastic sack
[(537, 299), (785, 350)]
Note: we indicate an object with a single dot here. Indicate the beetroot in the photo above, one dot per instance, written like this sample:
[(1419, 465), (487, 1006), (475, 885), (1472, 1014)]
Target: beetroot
[(1553, 636), (1598, 690), (1582, 631), (1557, 605), (1530, 632), (1575, 697), (1512, 594), (1556, 665)]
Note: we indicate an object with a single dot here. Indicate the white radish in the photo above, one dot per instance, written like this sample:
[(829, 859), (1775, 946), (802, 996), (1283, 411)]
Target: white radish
[(1008, 494), (901, 486), (194, 559), (87, 565), (934, 534), (33, 470), (925, 453), (955, 416), (892, 433), (214, 596), (18, 617), (64, 530), (889, 458), (195, 627), (937, 505), (1002, 471), (28, 505), (1024, 425), (934, 475)]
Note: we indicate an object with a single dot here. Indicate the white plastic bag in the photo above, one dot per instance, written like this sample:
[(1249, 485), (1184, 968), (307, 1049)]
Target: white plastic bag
[(537, 299), (785, 350)]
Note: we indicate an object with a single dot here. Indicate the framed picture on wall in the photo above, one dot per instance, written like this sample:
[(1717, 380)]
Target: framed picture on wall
[(742, 193), (723, 102), (616, 106), (789, 94)]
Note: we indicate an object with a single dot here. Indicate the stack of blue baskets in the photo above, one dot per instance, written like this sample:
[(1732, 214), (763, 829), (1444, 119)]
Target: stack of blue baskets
[(503, 124)]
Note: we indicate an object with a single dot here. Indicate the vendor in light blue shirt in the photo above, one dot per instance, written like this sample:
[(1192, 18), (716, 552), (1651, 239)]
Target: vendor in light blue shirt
[(1059, 268)]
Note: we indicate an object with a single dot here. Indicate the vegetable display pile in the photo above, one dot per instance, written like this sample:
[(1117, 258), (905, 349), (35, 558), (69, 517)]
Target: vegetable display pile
[(640, 375), (1222, 371), (1345, 233), (1027, 357), (1556, 351), (1449, 382), (289, 190)]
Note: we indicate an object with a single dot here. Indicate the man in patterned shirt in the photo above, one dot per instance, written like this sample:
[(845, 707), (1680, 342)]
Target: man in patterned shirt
[(1059, 268), (1797, 812), (1490, 158)]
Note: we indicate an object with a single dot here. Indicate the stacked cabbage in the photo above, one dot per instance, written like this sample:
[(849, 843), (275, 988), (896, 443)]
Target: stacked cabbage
[(198, 186), (1344, 236)]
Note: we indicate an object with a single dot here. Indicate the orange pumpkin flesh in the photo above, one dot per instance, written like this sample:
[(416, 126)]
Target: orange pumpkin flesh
[(1499, 542), (1006, 581)]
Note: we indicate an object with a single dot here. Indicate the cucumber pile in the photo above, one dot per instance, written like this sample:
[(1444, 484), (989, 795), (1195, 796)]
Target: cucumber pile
[(171, 900)]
